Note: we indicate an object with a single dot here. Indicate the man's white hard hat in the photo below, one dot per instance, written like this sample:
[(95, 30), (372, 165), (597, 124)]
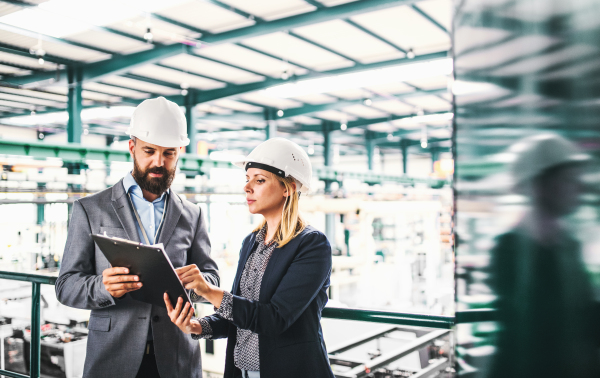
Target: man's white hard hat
[(283, 158), (542, 152), (159, 121)]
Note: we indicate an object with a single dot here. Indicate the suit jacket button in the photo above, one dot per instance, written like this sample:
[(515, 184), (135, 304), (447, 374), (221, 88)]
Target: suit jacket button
[(156, 318)]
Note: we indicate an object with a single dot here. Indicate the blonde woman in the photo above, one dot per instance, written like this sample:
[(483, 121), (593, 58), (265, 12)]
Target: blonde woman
[(271, 317)]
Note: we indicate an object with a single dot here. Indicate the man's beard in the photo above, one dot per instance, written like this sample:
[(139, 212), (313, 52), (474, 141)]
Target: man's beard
[(154, 185)]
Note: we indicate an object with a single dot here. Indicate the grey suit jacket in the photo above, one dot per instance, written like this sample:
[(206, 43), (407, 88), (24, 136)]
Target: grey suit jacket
[(118, 327)]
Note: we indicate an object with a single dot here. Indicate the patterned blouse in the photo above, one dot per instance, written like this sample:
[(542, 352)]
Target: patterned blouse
[(245, 354)]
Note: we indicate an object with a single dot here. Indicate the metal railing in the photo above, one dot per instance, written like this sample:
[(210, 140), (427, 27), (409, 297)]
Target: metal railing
[(416, 320)]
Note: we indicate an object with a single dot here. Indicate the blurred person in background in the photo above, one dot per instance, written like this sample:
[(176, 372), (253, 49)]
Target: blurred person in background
[(271, 317), (544, 297), (128, 338)]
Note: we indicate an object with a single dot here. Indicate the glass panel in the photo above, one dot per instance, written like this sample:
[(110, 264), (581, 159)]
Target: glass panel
[(527, 144)]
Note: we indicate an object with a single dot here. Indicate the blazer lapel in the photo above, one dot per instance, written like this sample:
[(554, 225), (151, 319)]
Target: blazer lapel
[(271, 265), (174, 209), (120, 203), (242, 263)]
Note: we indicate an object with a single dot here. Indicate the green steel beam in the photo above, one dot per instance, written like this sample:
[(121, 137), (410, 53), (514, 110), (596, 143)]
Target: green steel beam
[(232, 9), (215, 94), (191, 73), (372, 121), (370, 145), (194, 53), (35, 342), (417, 320), (4, 47), (177, 23), (74, 106), (321, 46), (167, 84), (240, 44), (377, 36), (307, 109), (114, 66), (191, 123), (321, 15), (120, 64), (332, 174), (47, 38), (430, 19)]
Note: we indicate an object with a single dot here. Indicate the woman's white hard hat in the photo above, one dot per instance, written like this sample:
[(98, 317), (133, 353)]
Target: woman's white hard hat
[(283, 158), (159, 121)]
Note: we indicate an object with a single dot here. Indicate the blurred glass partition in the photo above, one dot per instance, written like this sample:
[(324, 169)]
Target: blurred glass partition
[(527, 143)]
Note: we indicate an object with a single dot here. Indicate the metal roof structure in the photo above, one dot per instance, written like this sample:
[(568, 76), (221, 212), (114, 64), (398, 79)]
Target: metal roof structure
[(359, 73)]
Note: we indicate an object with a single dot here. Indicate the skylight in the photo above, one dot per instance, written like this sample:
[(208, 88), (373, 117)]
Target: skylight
[(59, 18), (363, 79)]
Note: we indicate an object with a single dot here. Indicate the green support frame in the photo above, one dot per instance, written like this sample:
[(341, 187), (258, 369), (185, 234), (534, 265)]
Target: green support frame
[(385, 317)]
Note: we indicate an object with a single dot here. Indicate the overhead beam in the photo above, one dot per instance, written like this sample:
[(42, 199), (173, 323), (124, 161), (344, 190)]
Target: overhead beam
[(47, 38), (215, 94), (125, 63), (115, 66), (308, 109), (321, 15)]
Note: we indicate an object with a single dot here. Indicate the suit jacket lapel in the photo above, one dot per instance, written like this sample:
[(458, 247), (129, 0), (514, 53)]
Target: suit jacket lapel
[(271, 265), (120, 203), (174, 209), (242, 263)]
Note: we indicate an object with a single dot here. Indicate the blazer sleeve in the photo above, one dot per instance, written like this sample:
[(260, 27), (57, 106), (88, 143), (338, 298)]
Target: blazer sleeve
[(199, 253), (297, 289), (218, 325), (78, 285)]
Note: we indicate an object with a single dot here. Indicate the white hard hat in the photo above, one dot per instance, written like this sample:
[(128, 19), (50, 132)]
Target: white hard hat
[(160, 122), (544, 151), (283, 158)]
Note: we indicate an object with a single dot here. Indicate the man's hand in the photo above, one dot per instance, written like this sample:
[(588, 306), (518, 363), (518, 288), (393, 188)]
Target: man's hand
[(192, 278), (118, 283), (182, 318)]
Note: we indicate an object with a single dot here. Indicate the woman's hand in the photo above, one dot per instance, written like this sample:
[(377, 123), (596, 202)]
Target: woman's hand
[(182, 318), (191, 277)]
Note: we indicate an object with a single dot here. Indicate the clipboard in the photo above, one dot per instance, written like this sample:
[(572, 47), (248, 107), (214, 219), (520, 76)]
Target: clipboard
[(150, 263)]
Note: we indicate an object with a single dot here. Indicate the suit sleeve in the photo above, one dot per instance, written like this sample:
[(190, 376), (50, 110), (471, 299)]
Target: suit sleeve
[(199, 254), (78, 285), (299, 286)]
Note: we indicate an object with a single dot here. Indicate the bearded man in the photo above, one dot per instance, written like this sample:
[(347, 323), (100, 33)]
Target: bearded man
[(128, 338)]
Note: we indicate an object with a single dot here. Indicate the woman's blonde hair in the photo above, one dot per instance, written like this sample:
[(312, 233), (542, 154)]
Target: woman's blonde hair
[(291, 222)]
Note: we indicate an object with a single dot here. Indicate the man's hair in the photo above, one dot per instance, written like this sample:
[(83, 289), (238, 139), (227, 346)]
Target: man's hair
[(134, 139)]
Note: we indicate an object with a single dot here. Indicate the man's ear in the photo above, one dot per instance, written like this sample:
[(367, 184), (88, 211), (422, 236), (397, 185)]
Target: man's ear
[(131, 146)]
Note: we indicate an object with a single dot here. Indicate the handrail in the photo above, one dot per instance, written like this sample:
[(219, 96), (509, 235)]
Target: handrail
[(407, 319)]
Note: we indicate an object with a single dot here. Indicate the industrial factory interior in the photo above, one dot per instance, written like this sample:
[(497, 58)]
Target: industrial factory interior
[(454, 147)]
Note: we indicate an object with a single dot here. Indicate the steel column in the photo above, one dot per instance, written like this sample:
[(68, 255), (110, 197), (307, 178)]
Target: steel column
[(270, 116), (370, 144), (190, 118), (35, 342), (74, 105), (404, 143)]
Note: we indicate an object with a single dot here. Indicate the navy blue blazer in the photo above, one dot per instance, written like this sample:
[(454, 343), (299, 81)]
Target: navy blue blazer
[(287, 316)]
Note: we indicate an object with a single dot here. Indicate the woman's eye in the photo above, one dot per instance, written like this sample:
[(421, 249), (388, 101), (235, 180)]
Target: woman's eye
[(260, 181)]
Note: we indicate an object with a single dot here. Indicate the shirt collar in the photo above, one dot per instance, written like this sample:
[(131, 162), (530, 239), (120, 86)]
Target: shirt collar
[(260, 237), (130, 184)]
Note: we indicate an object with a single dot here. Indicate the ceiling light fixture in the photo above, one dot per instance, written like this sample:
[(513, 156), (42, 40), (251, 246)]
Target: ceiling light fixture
[(148, 36), (280, 113), (410, 54), (368, 102)]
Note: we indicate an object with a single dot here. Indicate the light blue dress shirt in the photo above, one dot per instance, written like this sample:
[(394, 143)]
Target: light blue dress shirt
[(150, 212)]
